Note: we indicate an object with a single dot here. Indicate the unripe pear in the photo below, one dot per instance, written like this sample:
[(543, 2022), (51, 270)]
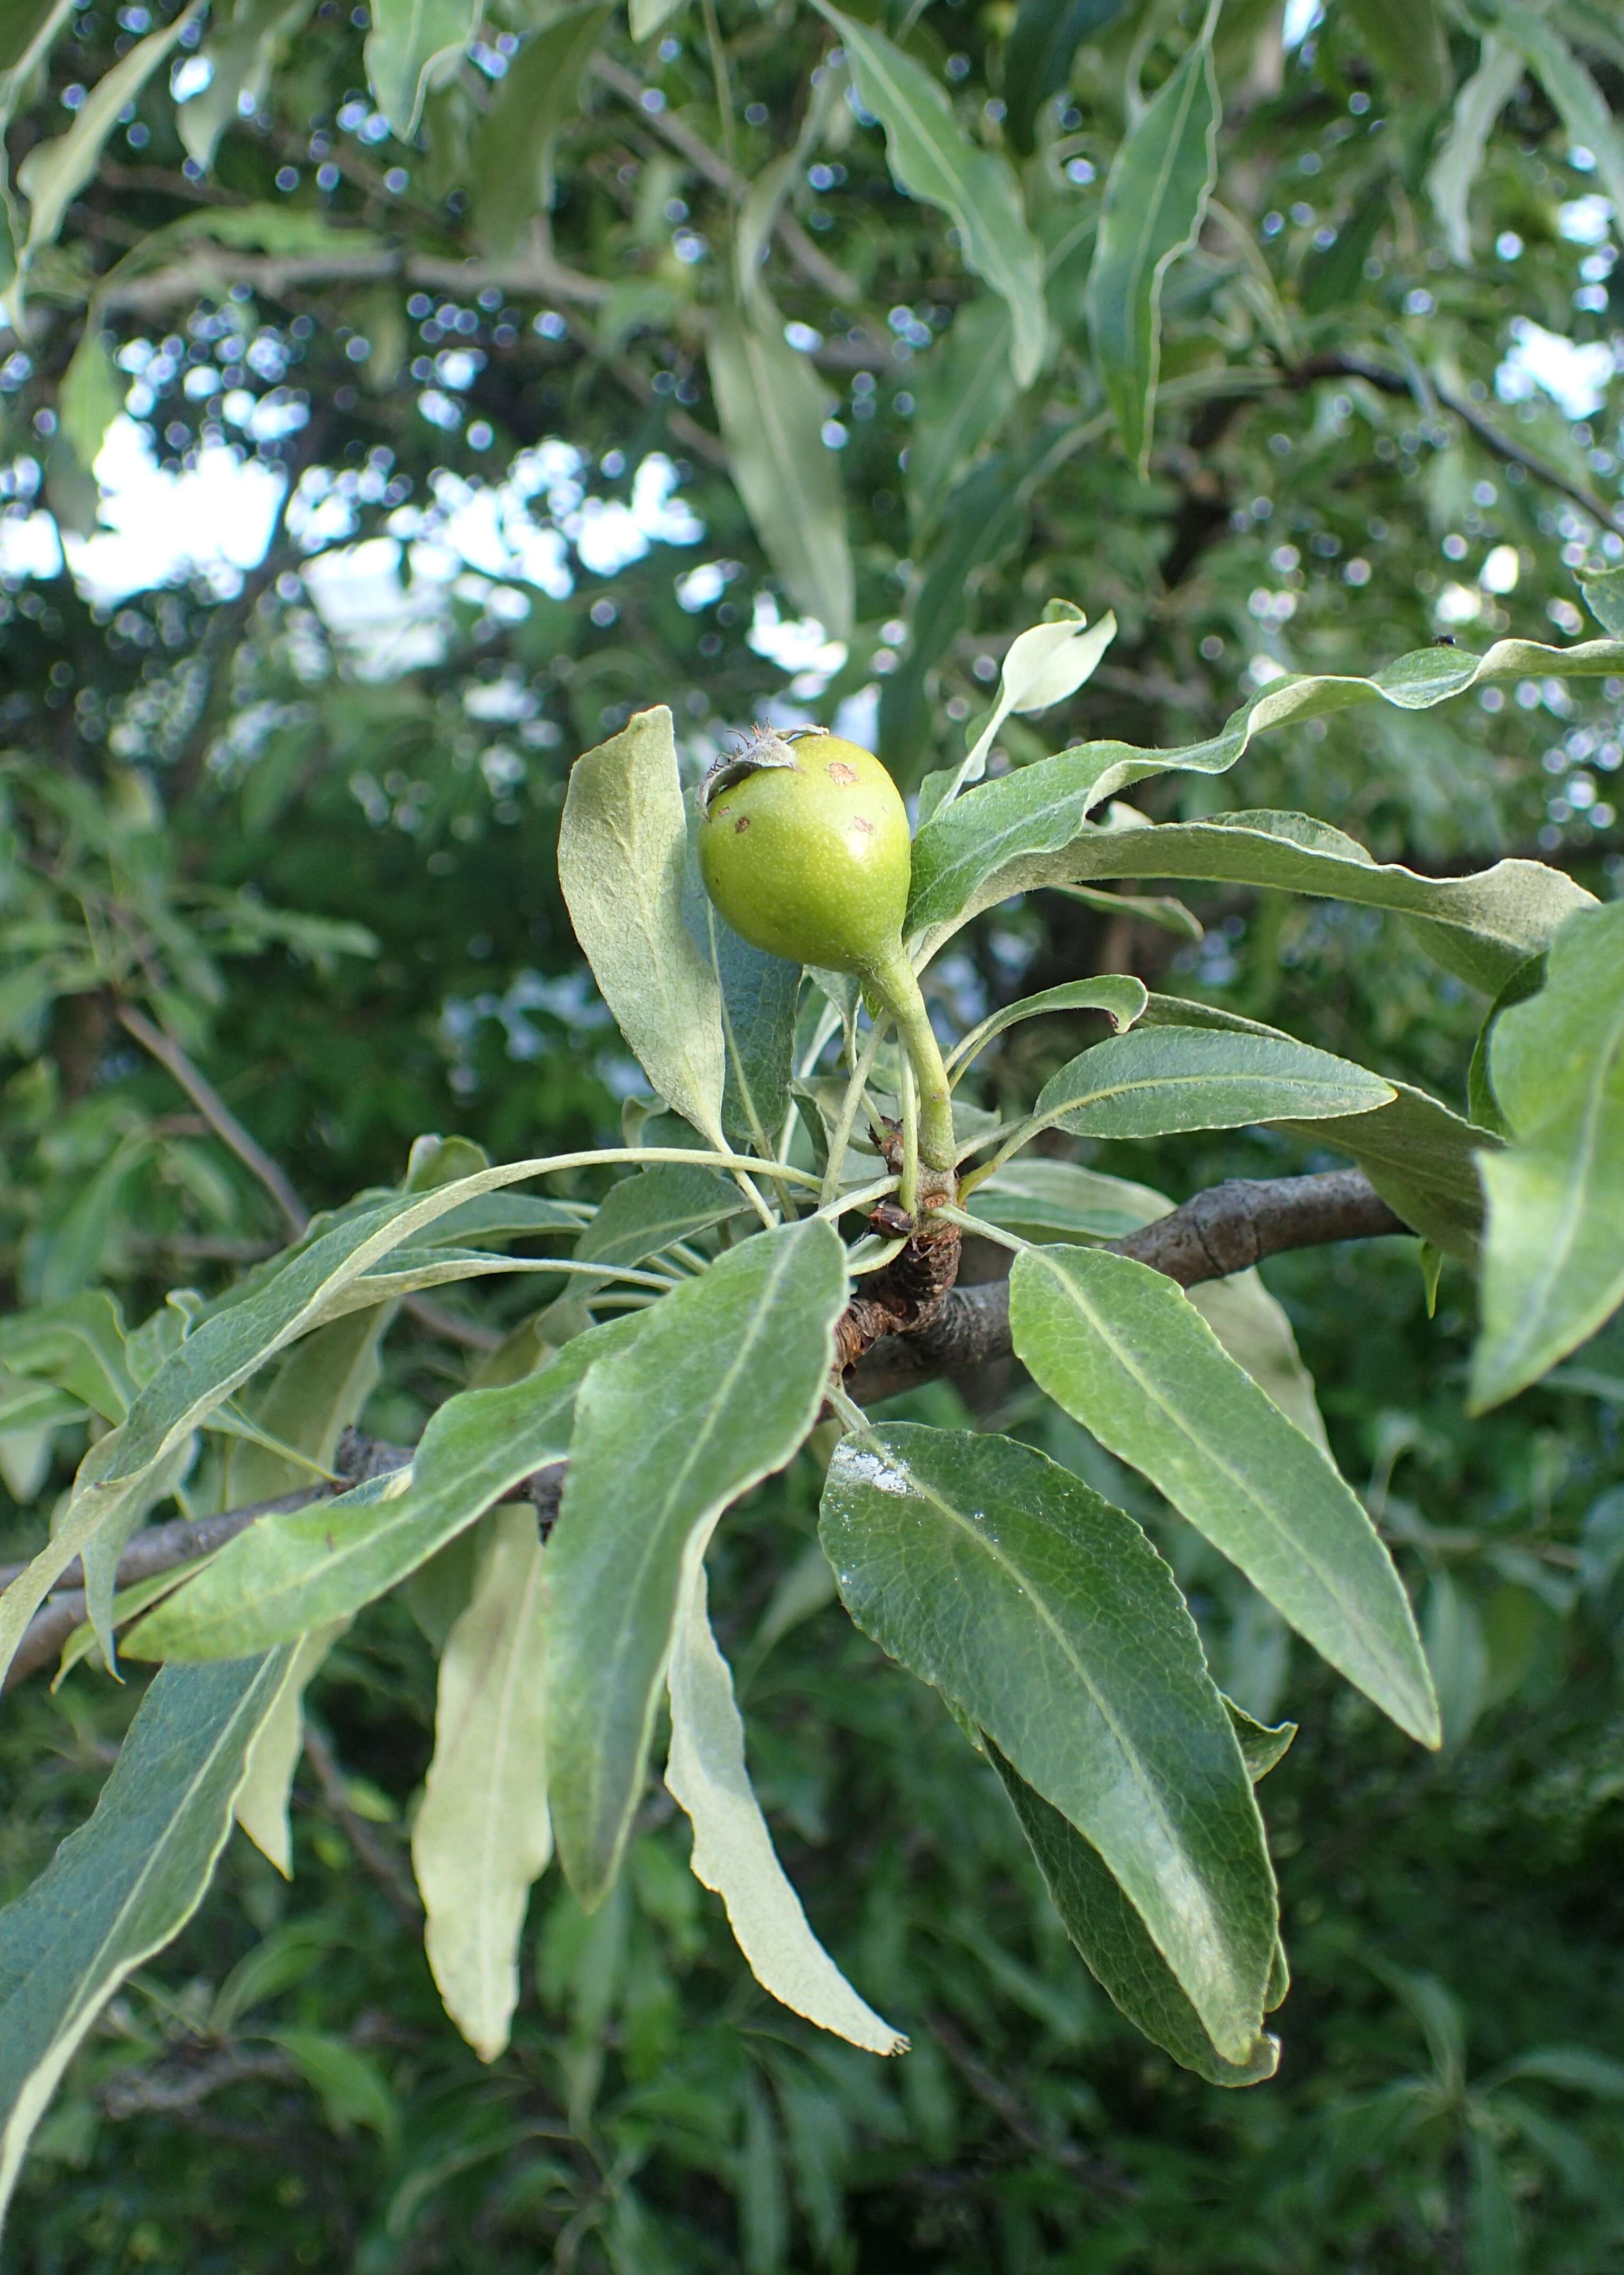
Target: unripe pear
[(804, 849)]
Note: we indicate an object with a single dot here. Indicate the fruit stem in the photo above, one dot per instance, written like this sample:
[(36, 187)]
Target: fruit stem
[(893, 982)]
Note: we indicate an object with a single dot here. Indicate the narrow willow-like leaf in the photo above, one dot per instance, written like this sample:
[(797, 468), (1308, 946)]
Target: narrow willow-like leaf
[(512, 158), (1121, 998), (1026, 829), (102, 1551), (1264, 1745), (126, 1883), (1111, 1939), (1420, 1157), (622, 850), (1045, 1618), (724, 1382), (414, 46), (1409, 44), (243, 48), (78, 1344), (1453, 172), (1038, 59), (1152, 1082), (733, 1850), (288, 1574), (91, 394), (55, 171), (931, 156), (758, 997), (642, 1214), (1579, 103), (481, 1836), (1481, 1102), (261, 1805), (1553, 1269), (964, 392), (1043, 1200), (1127, 1355), (1156, 194), (760, 994), (772, 406), (279, 1305)]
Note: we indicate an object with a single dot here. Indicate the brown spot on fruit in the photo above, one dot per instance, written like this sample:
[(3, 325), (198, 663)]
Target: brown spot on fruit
[(741, 825), (861, 822), (840, 772)]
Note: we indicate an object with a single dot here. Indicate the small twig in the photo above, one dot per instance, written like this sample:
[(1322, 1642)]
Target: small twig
[(178, 2087), (402, 1897), (1503, 446), (1093, 2171), (813, 264), (218, 1114)]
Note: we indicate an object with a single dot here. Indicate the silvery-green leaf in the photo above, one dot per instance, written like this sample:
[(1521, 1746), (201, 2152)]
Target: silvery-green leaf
[(1263, 1746), (932, 158), (1120, 996), (1553, 1270), (1156, 196), (415, 46), (1112, 1939), (244, 47), (1126, 1354), (1154, 1081), (1047, 1620), (1046, 36), (29, 29), (91, 394), (1026, 829), (733, 1850), (645, 1213), (1458, 1656), (481, 1835), (261, 1805), (723, 1383), (78, 1344), (1478, 104), (1578, 101), (621, 851), (106, 1544), (964, 392), (56, 171), (512, 153), (1420, 1157), (126, 1883), (1043, 1200), (290, 1573), (772, 406)]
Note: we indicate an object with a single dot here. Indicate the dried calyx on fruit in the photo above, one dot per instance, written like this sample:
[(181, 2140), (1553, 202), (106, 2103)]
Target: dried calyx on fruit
[(804, 849)]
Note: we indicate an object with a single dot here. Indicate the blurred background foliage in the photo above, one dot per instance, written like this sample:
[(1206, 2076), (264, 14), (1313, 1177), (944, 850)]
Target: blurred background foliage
[(384, 531)]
